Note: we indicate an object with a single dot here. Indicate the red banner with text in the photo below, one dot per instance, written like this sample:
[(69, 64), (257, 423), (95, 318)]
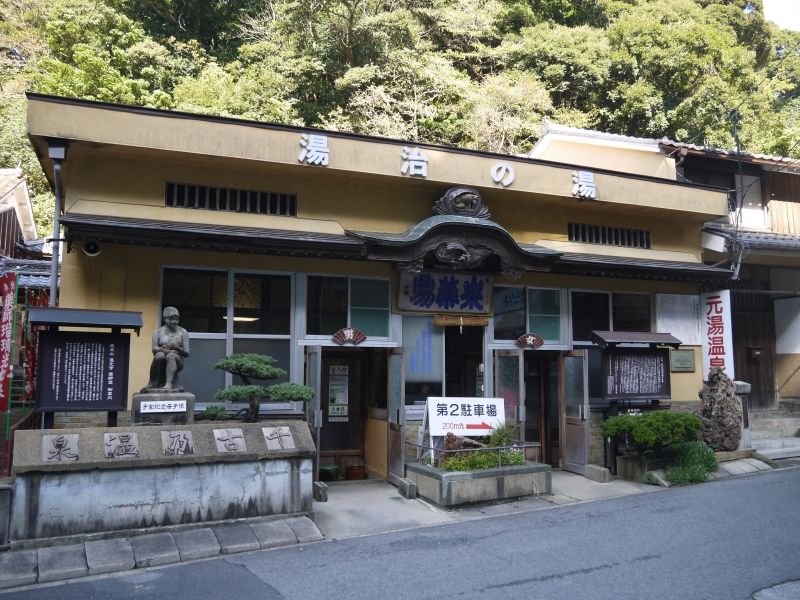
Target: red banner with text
[(33, 299), (8, 292)]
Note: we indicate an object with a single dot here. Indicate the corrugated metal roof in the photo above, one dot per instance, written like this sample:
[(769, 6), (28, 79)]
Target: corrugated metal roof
[(80, 317), (612, 338), (643, 263), (757, 239), (34, 282)]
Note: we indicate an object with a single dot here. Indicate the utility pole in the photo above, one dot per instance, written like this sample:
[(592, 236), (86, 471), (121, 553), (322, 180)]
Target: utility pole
[(736, 243)]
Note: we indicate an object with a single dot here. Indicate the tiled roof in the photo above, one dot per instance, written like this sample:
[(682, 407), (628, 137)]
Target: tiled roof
[(10, 179), (731, 154), (758, 239)]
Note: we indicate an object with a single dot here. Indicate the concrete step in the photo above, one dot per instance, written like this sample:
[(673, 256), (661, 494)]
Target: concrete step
[(775, 423), (775, 443), (792, 405), (760, 434), (776, 453)]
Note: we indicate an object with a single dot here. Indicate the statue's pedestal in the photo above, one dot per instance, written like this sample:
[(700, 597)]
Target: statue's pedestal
[(163, 408)]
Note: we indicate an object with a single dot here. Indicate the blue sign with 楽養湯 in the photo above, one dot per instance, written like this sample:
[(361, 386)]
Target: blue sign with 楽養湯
[(445, 293)]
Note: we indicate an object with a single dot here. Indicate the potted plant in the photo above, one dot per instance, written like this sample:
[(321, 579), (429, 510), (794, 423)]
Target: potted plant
[(263, 367)]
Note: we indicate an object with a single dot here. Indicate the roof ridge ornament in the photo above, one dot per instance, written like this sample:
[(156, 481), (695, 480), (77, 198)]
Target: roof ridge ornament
[(463, 202)]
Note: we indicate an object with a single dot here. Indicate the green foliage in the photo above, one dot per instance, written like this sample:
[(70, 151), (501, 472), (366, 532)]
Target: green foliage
[(290, 392), (242, 393), (246, 366), (691, 463), (481, 460), (214, 413), (259, 366), (502, 435), (473, 73), (653, 431)]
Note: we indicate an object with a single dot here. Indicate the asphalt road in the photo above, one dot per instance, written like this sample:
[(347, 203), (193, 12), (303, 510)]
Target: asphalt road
[(724, 539)]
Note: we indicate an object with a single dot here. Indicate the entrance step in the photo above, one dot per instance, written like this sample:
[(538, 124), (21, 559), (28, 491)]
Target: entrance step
[(760, 434), (778, 447), (775, 423)]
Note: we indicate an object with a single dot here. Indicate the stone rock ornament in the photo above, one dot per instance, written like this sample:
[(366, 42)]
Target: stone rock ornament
[(721, 412), (170, 348)]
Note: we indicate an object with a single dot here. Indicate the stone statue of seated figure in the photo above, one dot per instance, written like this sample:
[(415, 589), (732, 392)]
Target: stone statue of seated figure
[(170, 347)]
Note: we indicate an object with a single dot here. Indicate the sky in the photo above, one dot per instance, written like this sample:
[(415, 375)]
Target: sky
[(784, 13)]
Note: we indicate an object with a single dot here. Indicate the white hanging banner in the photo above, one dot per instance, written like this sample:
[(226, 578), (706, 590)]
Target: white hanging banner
[(717, 332)]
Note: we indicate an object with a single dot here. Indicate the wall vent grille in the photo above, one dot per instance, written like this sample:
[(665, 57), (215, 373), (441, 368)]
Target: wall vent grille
[(609, 236), (185, 195)]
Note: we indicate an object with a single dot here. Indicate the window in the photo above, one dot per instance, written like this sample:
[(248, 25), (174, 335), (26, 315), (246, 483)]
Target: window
[(333, 303), (518, 311), (261, 304), (544, 314), (602, 311), (631, 312), (590, 312), (423, 359), (182, 195), (200, 296), (227, 312)]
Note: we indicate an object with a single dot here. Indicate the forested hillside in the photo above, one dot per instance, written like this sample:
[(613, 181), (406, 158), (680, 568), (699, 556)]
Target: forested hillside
[(473, 73)]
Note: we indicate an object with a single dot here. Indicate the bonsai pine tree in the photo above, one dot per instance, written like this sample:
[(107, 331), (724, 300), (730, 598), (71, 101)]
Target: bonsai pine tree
[(259, 366)]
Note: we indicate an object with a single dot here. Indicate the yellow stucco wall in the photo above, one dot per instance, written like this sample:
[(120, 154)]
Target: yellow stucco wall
[(604, 154), (134, 188), (165, 136), (686, 386)]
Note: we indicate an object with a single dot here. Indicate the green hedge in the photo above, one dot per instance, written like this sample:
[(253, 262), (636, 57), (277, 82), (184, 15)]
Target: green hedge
[(653, 432)]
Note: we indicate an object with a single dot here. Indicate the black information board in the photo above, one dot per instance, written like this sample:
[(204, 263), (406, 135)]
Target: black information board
[(630, 373), (82, 371)]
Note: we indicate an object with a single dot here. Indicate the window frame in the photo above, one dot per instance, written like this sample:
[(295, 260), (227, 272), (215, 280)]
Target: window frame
[(610, 294), (394, 325), (564, 316), (296, 373)]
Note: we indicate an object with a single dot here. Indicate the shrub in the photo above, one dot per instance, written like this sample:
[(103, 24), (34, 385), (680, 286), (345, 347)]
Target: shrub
[(258, 366), (502, 435), (481, 460), (214, 413), (691, 463), (653, 432)]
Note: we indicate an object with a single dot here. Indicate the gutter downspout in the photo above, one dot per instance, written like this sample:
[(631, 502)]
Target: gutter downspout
[(57, 152)]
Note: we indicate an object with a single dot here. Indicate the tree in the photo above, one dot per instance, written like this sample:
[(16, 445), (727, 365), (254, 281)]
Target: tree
[(506, 112), (259, 366)]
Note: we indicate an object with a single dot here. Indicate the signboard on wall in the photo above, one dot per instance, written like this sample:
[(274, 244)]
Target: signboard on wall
[(444, 293), (469, 417), (717, 332), (630, 373), (679, 314), (338, 394), (8, 290), (80, 371)]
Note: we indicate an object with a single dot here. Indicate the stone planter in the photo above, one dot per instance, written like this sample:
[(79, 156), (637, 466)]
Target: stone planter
[(467, 487), (634, 467)]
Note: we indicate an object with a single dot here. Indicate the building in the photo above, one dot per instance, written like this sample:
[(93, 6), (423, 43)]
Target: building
[(761, 242), (383, 272)]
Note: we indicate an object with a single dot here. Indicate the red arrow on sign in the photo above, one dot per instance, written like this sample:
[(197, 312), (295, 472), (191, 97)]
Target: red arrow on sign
[(482, 425)]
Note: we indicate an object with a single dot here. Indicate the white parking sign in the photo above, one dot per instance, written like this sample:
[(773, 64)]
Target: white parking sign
[(470, 417)]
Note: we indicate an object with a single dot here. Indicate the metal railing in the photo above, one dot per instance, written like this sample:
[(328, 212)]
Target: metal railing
[(433, 455)]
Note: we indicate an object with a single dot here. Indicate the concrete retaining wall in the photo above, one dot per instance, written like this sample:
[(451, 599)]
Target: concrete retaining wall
[(95, 492), (451, 489)]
